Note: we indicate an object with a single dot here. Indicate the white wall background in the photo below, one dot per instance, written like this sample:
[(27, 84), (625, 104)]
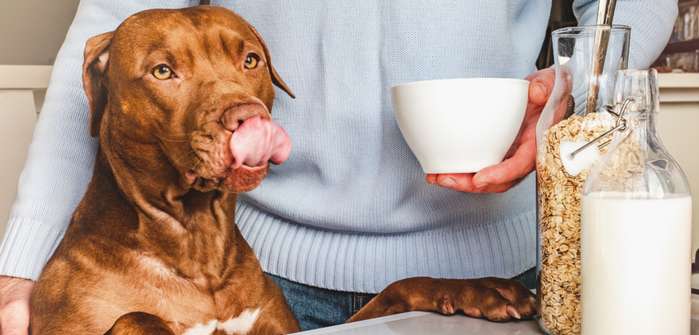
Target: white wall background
[(31, 31)]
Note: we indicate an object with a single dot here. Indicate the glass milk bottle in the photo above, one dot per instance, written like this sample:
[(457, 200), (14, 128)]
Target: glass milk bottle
[(569, 120), (636, 226)]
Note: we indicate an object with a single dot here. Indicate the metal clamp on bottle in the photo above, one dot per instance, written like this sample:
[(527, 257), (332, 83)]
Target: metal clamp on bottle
[(621, 125)]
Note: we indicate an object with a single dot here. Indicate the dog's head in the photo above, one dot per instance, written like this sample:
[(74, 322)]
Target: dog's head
[(195, 82)]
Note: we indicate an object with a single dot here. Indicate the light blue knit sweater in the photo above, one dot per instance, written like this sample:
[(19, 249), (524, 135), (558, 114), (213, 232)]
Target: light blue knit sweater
[(350, 210)]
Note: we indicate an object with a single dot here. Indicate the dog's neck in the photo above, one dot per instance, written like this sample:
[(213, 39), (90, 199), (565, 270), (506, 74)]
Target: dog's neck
[(193, 231)]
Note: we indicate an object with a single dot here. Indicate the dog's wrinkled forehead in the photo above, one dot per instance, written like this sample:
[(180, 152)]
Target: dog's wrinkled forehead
[(178, 35)]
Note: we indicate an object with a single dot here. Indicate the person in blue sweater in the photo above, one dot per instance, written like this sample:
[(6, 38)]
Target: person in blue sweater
[(350, 211)]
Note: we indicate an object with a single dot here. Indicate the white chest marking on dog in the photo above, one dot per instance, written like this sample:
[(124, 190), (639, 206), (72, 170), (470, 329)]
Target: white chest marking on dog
[(239, 325), (202, 329)]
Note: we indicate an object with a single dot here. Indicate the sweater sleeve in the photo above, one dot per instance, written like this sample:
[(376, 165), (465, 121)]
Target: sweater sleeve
[(651, 23), (62, 153)]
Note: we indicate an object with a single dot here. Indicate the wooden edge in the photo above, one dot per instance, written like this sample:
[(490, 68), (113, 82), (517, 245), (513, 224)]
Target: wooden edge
[(678, 80), (679, 87), (24, 76), (679, 95)]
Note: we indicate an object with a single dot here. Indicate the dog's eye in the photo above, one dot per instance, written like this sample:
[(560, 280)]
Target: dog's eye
[(251, 61), (162, 72)]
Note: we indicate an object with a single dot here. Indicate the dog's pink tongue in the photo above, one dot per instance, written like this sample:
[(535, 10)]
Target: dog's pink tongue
[(258, 141)]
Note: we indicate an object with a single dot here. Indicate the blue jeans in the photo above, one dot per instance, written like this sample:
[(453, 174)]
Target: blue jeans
[(316, 307)]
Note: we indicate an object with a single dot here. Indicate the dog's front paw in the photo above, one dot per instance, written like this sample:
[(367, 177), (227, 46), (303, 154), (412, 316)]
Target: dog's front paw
[(490, 298), (494, 299)]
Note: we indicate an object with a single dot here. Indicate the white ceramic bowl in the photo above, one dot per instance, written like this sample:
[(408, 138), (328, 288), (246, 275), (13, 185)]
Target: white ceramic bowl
[(460, 125)]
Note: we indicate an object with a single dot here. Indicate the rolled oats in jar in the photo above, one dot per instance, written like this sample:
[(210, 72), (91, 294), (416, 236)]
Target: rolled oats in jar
[(565, 126), (559, 187)]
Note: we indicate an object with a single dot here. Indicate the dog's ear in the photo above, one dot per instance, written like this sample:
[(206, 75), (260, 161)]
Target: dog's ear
[(94, 68), (276, 78)]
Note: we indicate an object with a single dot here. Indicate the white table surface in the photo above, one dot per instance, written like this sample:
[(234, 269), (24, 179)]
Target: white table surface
[(418, 323)]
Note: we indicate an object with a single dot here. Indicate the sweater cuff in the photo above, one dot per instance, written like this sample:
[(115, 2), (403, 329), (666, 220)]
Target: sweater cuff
[(27, 246)]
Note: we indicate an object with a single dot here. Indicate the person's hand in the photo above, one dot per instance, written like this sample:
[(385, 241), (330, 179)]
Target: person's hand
[(14, 305), (521, 158)]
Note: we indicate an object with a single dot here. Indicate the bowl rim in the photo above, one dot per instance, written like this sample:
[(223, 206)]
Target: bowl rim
[(447, 80)]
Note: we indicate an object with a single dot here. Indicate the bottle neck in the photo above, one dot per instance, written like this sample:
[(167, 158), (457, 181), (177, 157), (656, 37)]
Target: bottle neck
[(642, 127)]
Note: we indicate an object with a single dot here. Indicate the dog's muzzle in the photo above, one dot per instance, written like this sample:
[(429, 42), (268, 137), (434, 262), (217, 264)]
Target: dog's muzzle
[(234, 153)]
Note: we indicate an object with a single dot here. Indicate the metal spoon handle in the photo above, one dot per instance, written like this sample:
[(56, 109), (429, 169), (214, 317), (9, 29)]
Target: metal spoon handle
[(605, 16), (605, 12)]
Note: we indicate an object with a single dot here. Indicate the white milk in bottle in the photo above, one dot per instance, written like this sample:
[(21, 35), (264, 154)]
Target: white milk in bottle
[(636, 225), (636, 256)]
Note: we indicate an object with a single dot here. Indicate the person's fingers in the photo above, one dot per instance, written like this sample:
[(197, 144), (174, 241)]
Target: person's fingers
[(520, 158), (562, 108), (498, 188), (510, 170), (457, 181), (541, 84), (538, 94), (464, 183), (548, 75), (14, 318)]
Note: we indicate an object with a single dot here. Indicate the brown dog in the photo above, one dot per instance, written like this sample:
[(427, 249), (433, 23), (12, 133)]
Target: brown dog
[(152, 248)]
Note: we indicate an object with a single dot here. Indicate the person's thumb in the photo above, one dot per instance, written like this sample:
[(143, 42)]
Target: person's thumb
[(14, 305), (540, 86), (14, 318), (538, 92)]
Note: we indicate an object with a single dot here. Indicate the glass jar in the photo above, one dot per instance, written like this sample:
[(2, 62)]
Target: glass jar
[(636, 226), (565, 124)]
